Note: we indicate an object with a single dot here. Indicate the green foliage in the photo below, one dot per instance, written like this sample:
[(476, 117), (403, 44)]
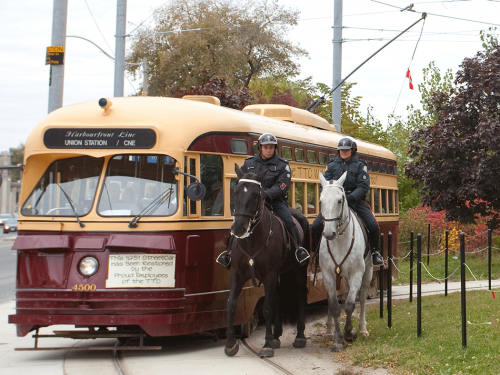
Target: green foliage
[(489, 39), (282, 90), (439, 349), (193, 41), (16, 157)]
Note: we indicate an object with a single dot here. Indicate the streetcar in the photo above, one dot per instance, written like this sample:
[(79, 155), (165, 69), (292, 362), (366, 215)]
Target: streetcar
[(126, 203)]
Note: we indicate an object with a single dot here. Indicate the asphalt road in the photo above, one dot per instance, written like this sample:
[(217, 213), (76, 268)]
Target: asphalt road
[(7, 267)]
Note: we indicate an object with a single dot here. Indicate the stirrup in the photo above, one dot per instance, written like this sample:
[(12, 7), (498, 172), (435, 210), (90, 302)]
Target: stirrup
[(303, 260), (224, 260), (377, 259)]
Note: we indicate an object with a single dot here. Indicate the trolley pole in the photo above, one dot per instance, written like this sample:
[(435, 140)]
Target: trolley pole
[(337, 61), (56, 79), (121, 25)]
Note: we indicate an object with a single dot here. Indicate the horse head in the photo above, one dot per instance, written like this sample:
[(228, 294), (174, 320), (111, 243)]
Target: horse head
[(248, 202), (334, 206)]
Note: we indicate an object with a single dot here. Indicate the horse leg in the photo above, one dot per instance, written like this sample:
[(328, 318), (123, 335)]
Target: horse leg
[(363, 295), (232, 345), (334, 312), (350, 333), (270, 285), (301, 282), (278, 318)]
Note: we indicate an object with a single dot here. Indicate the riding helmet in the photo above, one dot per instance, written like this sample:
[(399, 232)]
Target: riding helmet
[(347, 143), (268, 139)]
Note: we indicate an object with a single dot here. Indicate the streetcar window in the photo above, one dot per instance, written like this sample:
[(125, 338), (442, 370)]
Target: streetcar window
[(311, 198), (139, 184), (391, 203), (232, 186), (322, 158), (384, 200), (255, 147), (390, 169), (396, 170), (211, 168), (286, 153), (369, 165), (299, 196), (396, 201), (311, 156), (65, 183), (331, 157), (376, 201), (299, 154), (375, 166), (383, 168), (239, 146)]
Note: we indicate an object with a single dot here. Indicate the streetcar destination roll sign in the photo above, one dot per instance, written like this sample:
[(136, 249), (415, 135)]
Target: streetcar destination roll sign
[(99, 138)]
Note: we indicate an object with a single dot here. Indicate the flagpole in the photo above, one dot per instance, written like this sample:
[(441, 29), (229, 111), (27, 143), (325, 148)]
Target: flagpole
[(317, 102)]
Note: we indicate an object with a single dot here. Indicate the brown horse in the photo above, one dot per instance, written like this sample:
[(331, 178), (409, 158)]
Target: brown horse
[(261, 250)]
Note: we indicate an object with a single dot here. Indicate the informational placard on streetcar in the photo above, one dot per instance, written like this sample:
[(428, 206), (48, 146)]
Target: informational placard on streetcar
[(99, 138), (141, 271)]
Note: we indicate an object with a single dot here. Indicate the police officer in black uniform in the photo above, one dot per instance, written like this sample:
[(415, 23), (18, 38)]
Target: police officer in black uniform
[(356, 185), (275, 185)]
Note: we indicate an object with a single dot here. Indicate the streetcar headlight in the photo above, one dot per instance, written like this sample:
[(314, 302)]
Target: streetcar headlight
[(89, 266)]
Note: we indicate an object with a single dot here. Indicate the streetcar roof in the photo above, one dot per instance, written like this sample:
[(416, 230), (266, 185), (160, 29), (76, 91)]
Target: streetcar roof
[(177, 123)]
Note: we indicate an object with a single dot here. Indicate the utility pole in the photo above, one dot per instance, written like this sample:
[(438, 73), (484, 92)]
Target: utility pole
[(145, 82), (337, 61), (56, 85), (121, 24)]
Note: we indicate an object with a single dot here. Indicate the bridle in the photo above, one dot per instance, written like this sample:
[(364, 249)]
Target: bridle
[(340, 217), (254, 217)]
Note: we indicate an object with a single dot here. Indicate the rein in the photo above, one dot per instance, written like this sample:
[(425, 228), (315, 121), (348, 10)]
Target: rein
[(338, 269)]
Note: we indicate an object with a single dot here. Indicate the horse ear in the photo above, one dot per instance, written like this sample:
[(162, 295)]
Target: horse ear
[(261, 175), (322, 179), (238, 171), (342, 178)]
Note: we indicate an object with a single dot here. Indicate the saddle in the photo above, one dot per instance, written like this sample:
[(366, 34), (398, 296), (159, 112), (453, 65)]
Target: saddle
[(364, 229)]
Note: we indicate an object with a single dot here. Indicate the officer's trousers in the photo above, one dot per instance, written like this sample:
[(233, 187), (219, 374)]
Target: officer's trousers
[(280, 208)]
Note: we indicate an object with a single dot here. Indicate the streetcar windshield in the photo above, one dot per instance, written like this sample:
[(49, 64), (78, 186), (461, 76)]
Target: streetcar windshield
[(142, 185), (65, 183)]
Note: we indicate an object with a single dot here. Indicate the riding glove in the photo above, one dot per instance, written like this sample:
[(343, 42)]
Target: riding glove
[(351, 201)]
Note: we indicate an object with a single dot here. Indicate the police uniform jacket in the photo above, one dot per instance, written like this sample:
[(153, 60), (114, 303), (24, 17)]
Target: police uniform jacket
[(357, 182), (278, 178)]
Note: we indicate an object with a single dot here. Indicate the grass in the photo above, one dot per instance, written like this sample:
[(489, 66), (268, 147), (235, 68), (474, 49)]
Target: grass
[(477, 264), (439, 349)]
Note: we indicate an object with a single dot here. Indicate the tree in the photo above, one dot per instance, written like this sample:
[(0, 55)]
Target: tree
[(457, 158), (193, 41), (16, 157), (282, 90), (237, 98)]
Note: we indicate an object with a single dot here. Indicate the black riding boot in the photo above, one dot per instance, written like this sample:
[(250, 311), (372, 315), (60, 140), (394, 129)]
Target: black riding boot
[(301, 254), (224, 259), (376, 257)]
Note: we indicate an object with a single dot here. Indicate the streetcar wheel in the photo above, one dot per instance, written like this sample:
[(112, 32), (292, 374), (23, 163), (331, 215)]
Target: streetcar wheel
[(248, 327)]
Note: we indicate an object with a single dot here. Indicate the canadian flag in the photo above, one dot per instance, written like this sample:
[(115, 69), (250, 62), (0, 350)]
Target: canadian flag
[(408, 75)]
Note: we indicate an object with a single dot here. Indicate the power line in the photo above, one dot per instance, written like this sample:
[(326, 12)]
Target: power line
[(98, 28)]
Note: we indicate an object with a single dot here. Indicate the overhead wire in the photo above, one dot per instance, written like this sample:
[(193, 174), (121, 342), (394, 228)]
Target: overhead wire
[(98, 28)]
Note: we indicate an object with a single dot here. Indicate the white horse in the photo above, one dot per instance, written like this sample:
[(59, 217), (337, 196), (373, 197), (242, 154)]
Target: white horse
[(342, 252)]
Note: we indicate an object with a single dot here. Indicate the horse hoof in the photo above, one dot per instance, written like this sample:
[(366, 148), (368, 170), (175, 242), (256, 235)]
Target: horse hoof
[(337, 348), (365, 333), (276, 344), (299, 343), (351, 336), (330, 337), (266, 352), (232, 351)]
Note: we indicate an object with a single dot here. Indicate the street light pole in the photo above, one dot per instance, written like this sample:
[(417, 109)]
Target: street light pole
[(56, 85), (337, 61), (121, 24)]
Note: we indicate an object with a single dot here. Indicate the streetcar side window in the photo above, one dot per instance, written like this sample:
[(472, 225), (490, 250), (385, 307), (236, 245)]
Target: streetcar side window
[(286, 153), (66, 184), (239, 146), (311, 198), (299, 196), (139, 184), (211, 167), (311, 156), (299, 154), (322, 158)]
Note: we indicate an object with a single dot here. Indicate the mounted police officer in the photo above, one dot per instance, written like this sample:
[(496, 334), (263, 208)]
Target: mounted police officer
[(275, 185), (356, 185)]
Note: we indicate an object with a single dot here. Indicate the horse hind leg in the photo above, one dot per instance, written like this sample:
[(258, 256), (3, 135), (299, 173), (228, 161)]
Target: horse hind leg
[(363, 295), (301, 277)]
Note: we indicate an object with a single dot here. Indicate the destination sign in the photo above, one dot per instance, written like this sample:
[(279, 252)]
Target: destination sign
[(99, 138), (55, 55)]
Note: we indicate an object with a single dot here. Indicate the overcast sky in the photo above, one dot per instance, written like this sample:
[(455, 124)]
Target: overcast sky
[(26, 29)]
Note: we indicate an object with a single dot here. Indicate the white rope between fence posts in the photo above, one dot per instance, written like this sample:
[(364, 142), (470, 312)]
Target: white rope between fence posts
[(398, 268), (435, 278)]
